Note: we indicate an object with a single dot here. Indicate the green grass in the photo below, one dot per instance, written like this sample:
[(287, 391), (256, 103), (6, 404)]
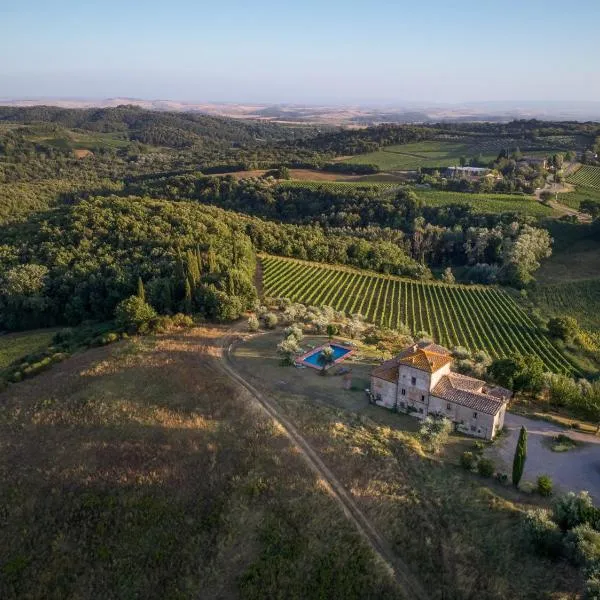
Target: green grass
[(14, 346), (587, 176), (487, 203), (476, 317)]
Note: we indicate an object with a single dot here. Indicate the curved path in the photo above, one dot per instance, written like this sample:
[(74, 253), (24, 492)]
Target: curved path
[(411, 587)]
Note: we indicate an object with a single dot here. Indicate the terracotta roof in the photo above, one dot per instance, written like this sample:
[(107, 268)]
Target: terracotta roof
[(424, 358), (387, 370), (470, 392)]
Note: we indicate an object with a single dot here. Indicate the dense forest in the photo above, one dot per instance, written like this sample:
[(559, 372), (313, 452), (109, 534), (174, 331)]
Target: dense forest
[(94, 201)]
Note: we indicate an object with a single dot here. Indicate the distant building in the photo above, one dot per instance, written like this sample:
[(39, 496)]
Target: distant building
[(534, 161), (465, 172), (419, 382)]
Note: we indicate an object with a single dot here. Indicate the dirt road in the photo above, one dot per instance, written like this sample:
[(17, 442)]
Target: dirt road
[(397, 567)]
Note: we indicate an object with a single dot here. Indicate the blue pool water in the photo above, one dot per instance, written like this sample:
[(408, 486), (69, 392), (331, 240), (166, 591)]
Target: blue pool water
[(338, 352)]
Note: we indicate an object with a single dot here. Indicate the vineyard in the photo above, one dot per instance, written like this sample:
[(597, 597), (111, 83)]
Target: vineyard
[(477, 317), (586, 176), (341, 186)]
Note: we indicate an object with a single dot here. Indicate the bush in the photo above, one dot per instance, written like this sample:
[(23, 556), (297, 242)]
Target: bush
[(181, 320), (582, 547), (434, 432), (485, 467), (64, 336), (270, 320), (294, 331), (460, 353), (253, 323), (132, 313), (107, 338), (467, 460), (543, 533), (544, 485), (572, 510), (229, 308)]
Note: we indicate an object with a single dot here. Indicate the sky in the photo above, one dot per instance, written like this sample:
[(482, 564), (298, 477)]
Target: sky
[(319, 52)]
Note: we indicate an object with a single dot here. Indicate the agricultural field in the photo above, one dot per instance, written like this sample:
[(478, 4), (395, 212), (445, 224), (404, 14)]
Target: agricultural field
[(476, 317), (487, 203), (588, 177), (17, 345), (337, 186), (439, 153), (579, 299), (574, 199)]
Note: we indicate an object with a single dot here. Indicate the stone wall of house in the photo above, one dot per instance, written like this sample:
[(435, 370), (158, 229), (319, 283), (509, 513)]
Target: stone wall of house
[(384, 392), (469, 421)]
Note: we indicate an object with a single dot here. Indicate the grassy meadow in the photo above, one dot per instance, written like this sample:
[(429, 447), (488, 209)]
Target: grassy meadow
[(14, 346), (139, 471)]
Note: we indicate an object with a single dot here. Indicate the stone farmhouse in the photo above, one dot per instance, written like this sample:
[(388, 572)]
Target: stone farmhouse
[(419, 381)]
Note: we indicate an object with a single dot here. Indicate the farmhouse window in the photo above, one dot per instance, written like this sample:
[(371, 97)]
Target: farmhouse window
[(413, 381), (402, 404), (403, 392), (421, 410), (448, 407), (422, 398), (474, 415)]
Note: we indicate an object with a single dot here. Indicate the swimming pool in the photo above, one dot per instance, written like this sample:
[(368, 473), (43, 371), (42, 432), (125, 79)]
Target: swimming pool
[(311, 359)]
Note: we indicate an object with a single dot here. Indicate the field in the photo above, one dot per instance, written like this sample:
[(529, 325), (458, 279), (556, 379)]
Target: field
[(588, 176), (16, 345), (487, 203), (340, 186), (140, 471), (461, 535), (438, 153), (580, 299), (476, 317), (573, 199)]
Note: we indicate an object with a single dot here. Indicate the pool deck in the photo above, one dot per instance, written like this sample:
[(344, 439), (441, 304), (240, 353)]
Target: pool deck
[(301, 360)]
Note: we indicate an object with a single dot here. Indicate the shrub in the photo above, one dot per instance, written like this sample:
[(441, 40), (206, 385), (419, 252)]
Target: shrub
[(582, 547), (294, 331), (485, 467), (229, 308), (181, 320), (544, 485), (253, 323), (467, 460), (434, 432), (64, 336), (572, 510), (543, 532), (270, 320), (133, 312), (460, 353)]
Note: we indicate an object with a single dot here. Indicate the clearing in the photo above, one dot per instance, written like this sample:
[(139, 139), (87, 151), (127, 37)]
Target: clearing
[(17, 345)]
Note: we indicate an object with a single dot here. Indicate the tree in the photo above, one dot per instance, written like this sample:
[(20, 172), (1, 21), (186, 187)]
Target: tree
[(591, 207), (448, 276), (325, 358), (519, 373), (564, 328), (187, 298), (520, 457), (434, 432), (141, 292), (332, 330), (288, 348), (253, 323), (132, 313)]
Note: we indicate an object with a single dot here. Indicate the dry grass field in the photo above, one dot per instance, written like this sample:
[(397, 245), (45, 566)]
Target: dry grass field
[(139, 471), (460, 534)]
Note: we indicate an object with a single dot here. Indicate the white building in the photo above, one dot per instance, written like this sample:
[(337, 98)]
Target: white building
[(419, 382)]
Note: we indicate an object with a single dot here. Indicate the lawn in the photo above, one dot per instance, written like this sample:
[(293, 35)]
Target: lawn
[(459, 533), (139, 471), (14, 346)]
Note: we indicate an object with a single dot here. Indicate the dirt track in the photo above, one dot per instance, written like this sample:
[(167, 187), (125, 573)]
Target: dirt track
[(397, 567)]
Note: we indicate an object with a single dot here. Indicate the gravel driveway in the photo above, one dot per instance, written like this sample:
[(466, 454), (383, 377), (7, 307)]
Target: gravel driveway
[(574, 470)]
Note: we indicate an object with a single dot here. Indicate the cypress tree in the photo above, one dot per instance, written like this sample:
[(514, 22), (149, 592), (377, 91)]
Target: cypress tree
[(187, 300), (520, 456), (141, 292)]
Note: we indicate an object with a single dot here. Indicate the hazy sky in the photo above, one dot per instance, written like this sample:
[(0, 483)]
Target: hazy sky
[(305, 51)]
